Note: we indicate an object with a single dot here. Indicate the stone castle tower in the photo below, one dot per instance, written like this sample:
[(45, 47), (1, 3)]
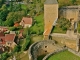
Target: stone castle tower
[(50, 16)]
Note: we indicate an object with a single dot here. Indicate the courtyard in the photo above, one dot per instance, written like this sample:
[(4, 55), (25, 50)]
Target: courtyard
[(65, 55)]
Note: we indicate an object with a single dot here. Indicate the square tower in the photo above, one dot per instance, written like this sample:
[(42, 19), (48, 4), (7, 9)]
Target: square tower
[(50, 16)]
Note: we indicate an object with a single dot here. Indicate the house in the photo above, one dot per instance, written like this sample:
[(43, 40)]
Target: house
[(7, 39), (26, 22)]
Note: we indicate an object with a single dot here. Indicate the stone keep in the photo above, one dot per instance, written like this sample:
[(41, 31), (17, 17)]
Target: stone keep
[(50, 16)]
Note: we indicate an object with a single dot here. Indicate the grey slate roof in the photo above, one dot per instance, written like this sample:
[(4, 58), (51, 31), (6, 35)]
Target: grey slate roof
[(51, 2)]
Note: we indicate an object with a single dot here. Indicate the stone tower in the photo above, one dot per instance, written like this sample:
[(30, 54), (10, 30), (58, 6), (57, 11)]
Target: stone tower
[(50, 16)]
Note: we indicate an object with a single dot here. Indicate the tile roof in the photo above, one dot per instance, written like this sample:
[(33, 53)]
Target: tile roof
[(9, 37), (27, 20), (2, 34), (51, 2), (16, 24)]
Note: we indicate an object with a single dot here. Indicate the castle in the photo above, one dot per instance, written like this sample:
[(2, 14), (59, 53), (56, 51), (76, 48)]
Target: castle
[(51, 13)]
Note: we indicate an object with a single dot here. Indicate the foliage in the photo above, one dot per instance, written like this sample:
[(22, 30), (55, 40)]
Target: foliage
[(73, 1), (4, 56), (38, 26), (1, 2), (17, 48), (64, 23), (13, 17), (12, 28), (3, 13), (26, 31), (26, 44), (27, 38)]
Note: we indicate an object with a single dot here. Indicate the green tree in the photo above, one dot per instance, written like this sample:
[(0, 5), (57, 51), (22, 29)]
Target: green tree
[(3, 12), (4, 56), (1, 2), (13, 17), (73, 1), (64, 23), (17, 48)]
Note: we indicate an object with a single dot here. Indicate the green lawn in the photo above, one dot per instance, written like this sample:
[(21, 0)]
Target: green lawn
[(65, 55), (20, 56), (57, 29), (36, 38)]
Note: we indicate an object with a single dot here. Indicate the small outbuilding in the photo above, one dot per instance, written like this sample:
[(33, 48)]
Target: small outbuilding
[(26, 22)]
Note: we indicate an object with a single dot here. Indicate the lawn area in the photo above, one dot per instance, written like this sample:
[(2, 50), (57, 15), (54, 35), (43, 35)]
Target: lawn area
[(36, 38), (20, 56), (65, 55), (58, 30)]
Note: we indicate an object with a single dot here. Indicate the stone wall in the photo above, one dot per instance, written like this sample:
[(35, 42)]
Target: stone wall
[(42, 48), (68, 41)]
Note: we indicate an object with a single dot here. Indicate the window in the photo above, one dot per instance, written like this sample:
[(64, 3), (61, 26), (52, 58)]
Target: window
[(46, 51), (45, 46), (71, 19)]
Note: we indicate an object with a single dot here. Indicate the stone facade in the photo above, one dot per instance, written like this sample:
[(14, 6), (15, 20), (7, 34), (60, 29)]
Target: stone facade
[(50, 16)]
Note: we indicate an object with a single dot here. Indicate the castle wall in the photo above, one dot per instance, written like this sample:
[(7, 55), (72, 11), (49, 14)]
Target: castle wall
[(42, 48)]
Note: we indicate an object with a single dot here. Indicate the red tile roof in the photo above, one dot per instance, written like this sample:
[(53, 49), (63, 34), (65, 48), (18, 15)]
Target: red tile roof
[(16, 24), (9, 37), (27, 20), (2, 34)]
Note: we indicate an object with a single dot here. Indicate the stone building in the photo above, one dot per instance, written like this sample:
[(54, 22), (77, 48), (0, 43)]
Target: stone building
[(50, 16), (71, 13)]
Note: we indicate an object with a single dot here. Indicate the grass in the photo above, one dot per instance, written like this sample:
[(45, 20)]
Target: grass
[(65, 55), (36, 38), (20, 56), (41, 57), (57, 29)]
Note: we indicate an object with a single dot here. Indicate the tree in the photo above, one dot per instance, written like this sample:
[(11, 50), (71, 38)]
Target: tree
[(73, 1), (4, 56), (26, 32), (13, 17), (64, 23), (1, 3), (3, 12), (17, 48)]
